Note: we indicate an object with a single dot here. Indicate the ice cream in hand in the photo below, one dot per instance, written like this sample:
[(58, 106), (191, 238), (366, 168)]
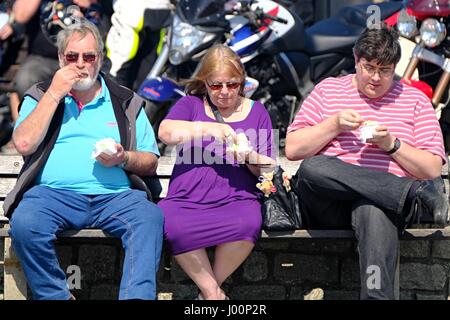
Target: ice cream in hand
[(242, 144), (367, 130)]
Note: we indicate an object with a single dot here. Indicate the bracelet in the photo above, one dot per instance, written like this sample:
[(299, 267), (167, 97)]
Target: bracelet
[(52, 96)]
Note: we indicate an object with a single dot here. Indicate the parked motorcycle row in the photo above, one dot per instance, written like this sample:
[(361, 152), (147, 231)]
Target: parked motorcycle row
[(426, 24), (284, 59)]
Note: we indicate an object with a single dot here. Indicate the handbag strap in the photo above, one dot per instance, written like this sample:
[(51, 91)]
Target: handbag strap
[(215, 111), (219, 118)]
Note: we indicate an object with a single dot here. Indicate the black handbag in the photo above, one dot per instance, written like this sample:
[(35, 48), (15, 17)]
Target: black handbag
[(281, 208)]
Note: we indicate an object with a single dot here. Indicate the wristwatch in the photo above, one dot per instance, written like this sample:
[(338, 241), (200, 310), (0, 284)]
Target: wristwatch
[(125, 161), (397, 145)]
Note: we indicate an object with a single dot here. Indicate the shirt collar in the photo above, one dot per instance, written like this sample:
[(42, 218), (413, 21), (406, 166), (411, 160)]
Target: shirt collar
[(104, 94)]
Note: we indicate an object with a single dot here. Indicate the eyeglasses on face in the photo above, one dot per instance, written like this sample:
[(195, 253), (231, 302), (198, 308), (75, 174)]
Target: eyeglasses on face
[(383, 72), (88, 57), (219, 85)]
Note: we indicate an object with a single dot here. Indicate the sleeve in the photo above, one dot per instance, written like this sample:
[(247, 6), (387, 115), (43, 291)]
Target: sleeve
[(310, 112), (145, 136), (183, 109), (28, 105), (265, 134), (427, 131)]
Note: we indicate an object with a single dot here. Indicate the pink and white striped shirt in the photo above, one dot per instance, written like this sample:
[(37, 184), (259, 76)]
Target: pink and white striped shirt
[(406, 111)]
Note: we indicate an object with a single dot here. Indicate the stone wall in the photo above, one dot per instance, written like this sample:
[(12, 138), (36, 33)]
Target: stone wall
[(277, 269)]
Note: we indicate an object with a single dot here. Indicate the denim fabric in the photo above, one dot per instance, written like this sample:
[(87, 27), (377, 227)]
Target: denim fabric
[(377, 247), (338, 195), (45, 212)]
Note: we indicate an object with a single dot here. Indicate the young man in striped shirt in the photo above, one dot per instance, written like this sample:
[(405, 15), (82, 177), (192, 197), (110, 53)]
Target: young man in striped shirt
[(380, 185)]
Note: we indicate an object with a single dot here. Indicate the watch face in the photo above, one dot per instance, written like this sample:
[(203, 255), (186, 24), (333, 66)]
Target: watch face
[(396, 146)]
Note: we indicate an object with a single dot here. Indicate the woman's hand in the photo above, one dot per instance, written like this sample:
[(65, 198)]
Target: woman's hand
[(222, 132)]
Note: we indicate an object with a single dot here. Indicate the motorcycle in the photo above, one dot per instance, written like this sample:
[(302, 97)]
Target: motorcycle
[(425, 23), (59, 14), (283, 60)]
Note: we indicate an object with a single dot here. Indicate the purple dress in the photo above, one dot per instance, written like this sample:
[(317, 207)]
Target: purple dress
[(212, 200)]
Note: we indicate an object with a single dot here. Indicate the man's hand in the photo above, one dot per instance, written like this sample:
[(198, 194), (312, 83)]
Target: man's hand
[(114, 159), (65, 78), (347, 120), (382, 138)]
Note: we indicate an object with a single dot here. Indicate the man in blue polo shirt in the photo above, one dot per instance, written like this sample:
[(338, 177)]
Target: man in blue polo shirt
[(64, 186)]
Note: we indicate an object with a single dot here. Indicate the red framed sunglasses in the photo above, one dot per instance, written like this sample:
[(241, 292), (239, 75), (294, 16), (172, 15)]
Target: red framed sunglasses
[(88, 57), (219, 86)]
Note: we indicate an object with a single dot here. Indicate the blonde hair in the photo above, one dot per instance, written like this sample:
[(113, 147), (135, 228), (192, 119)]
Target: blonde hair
[(219, 58)]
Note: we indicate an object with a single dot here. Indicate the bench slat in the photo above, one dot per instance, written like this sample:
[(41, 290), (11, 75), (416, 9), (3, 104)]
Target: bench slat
[(298, 234), (11, 164), (6, 185)]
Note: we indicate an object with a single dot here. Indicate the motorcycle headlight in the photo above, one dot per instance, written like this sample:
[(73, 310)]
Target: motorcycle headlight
[(432, 32), (407, 25), (184, 39)]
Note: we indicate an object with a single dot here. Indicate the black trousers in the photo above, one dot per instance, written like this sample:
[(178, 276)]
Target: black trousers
[(338, 195)]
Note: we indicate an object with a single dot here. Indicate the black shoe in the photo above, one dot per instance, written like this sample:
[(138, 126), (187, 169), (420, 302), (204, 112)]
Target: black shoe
[(433, 202)]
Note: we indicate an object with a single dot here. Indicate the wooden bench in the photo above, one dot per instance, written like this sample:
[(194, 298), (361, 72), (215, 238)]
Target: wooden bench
[(14, 280)]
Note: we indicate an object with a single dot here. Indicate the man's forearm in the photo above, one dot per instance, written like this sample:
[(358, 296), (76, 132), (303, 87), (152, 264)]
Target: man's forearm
[(309, 141), (30, 133), (419, 163), (142, 163), (24, 9)]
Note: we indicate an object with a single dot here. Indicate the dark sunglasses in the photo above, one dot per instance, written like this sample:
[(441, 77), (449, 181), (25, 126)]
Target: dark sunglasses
[(219, 86), (88, 57)]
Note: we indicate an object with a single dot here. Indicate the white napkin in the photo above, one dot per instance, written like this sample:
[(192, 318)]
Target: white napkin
[(242, 145), (107, 145)]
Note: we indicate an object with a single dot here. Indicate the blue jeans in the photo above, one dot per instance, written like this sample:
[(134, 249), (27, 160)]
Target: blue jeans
[(44, 212)]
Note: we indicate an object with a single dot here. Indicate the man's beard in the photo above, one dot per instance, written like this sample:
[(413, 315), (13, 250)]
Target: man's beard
[(85, 83)]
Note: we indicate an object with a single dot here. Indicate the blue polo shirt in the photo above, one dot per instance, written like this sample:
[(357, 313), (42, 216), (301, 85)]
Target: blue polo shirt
[(70, 165)]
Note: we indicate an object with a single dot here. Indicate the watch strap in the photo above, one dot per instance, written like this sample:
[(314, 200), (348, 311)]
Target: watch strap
[(397, 144)]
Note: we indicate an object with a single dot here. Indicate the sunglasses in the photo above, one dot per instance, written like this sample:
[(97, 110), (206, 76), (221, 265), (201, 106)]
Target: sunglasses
[(219, 86), (88, 57)]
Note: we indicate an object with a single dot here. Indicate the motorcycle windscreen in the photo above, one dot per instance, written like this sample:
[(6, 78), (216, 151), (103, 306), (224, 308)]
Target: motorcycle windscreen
[(206, 13), (160, 89)]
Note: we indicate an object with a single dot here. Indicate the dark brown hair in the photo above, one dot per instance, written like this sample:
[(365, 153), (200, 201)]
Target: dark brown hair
[(378, 43)]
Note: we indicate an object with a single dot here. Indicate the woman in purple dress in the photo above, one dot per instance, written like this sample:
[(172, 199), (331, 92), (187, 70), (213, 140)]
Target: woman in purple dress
[(212, 196)]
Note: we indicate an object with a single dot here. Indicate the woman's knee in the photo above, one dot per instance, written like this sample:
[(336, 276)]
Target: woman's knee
[(250, 227)]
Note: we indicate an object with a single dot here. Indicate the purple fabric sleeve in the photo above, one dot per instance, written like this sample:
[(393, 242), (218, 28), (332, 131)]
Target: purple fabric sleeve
[(183, 109)]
